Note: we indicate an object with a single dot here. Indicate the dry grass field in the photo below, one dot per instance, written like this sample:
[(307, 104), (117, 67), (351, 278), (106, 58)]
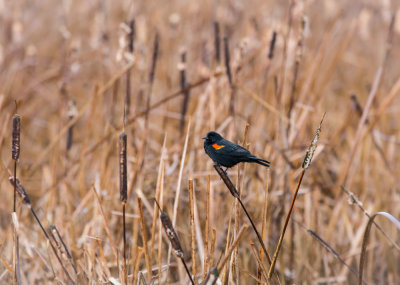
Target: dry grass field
[(261, 73)]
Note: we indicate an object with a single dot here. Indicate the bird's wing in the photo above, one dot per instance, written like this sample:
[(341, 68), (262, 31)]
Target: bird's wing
[(234, 149)]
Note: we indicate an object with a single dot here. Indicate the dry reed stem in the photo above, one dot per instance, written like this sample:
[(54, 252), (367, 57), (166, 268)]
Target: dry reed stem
[(212, 247), (331, 250), (235, 266), (225, 272), (264, 223), (124, 268), (207, 230), (182, 164), (354, 200), (161, 199), (16, 264), (55, 234), (392, 219), (263, 103), (261, 269), (139, 161), (192, 230), (106, 225), (178, 188), (234, 244), (160, 181), (103, 259), (144, 238), (136, 264)]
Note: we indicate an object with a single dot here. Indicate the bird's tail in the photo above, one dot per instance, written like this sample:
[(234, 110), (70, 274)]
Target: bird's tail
[(261, 161)]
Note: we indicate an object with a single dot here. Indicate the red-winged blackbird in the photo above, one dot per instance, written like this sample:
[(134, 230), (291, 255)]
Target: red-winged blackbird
[(226, 153)]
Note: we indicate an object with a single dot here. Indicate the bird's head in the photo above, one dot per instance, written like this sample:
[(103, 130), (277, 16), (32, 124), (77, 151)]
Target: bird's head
[(212, 137)]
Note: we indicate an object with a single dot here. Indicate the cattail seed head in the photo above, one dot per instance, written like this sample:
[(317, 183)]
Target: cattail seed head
[(272, 45), (172, 236), (313, 146), (123, 185), (16, 139), (20, 190)]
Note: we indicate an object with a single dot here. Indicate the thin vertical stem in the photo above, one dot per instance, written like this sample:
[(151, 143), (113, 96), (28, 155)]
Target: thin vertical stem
[(192, 229)]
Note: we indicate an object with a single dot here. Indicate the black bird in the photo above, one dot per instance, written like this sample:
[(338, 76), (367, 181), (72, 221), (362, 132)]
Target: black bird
[(228, 154)]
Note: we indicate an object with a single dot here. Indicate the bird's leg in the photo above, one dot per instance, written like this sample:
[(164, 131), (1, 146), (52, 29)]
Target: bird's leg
[(226, 169)]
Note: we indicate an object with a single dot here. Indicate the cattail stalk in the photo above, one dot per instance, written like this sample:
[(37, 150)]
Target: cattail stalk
[(123, 186), (306, 163), (55, 234)]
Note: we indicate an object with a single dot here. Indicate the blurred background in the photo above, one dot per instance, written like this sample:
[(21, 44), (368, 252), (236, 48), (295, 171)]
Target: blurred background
[(74, 68)]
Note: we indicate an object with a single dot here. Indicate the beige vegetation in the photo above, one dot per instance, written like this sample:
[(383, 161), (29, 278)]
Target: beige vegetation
[(67, 63)]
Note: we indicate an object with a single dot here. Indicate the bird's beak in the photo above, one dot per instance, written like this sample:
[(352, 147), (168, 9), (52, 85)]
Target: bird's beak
[(204, 138)]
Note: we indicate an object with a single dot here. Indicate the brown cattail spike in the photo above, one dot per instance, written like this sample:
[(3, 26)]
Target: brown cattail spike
[(272, 45), (123, 185), (20, 190), (131, 36), (217, 42), (72, 112), (172, 236), (154, 59), (228, 62), (16, 139)]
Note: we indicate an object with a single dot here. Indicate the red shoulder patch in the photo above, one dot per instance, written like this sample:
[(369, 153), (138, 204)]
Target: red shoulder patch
[(217, 146)]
